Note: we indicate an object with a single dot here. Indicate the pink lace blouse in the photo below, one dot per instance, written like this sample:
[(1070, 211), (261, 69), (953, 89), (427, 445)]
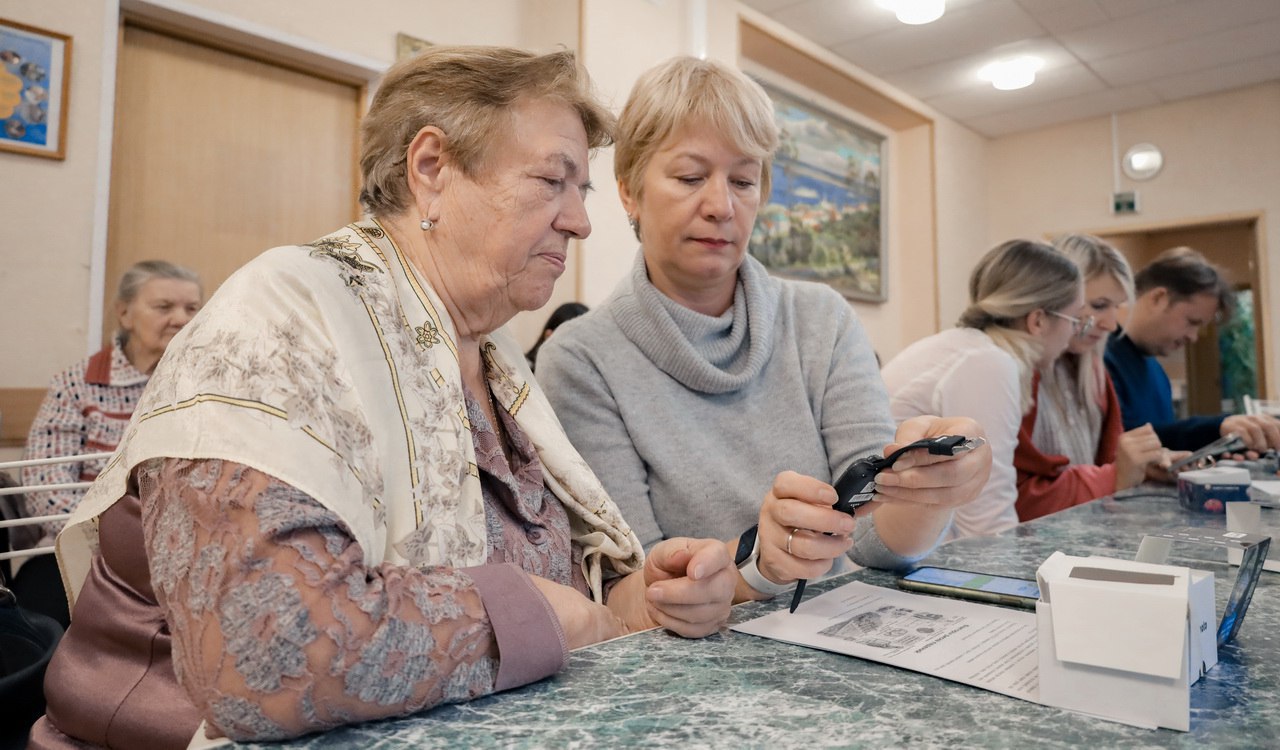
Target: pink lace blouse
[(274, 626)]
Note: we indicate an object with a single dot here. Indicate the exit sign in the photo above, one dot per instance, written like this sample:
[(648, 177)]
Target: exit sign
[(1124, 203)]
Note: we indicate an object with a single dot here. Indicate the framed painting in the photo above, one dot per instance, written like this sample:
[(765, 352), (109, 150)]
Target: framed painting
[(824, 219), (35, 68), (409, 46)]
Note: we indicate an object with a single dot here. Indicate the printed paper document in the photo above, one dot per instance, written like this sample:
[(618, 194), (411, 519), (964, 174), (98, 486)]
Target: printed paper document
[(981, 645)]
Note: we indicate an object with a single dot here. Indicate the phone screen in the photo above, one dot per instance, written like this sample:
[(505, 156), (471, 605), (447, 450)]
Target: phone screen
[(964, 580)]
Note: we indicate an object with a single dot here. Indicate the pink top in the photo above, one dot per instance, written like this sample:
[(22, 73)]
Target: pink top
[(257, 603)]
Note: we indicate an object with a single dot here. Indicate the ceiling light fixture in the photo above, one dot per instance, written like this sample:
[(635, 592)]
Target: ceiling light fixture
[(915, 12), (1013, 73)]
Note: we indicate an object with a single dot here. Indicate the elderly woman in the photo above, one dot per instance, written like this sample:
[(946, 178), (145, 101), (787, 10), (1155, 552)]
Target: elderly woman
[(704, 383), (88, 406), (343, 497), (1071, 446), (1025, 299)]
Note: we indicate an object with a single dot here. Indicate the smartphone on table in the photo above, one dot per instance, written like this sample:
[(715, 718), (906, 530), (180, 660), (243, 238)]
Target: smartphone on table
[(964, 584)]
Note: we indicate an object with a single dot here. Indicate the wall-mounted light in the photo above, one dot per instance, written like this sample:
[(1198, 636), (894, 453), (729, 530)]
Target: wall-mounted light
[(915, 12), (1142, 162), (1013, 73)]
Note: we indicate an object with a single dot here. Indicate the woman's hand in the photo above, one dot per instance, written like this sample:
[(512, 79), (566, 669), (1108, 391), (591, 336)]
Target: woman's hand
[(917, 496), (583, 621), (1161, 471), (1138, 448), (800, 534), (686, 586), (689, 585), (940, 481)]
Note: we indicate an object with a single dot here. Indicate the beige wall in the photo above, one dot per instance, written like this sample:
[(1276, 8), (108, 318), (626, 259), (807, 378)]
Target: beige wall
[(48, 213), (962, 211), (50, 224), (1222, 156), (620, 40)]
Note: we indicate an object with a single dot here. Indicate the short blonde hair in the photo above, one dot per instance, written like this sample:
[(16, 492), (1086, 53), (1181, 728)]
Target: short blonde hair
[(685, 91), (1014, 279), (468, 93)]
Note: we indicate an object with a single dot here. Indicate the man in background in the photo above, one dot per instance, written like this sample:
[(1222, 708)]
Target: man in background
[(1176, 295)]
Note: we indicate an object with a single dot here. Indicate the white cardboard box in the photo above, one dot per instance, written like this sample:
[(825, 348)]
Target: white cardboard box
[(1124, 640)]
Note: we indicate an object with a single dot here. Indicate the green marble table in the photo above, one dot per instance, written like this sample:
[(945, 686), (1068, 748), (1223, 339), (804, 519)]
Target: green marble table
[(739, 691)]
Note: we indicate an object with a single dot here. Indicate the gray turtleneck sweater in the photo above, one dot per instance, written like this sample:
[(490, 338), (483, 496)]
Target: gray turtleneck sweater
[(687, 418)]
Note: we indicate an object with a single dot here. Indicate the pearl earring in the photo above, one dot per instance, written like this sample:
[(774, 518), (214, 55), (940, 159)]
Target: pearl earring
[(428, 225)]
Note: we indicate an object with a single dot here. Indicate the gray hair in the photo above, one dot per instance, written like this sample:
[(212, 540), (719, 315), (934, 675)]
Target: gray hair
[(468, 93), (1011, 281), (146, 270)]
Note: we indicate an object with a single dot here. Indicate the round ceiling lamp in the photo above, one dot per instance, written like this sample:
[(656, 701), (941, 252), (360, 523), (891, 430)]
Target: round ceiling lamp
[(915, 12), (1142, 162), (1013, 73)]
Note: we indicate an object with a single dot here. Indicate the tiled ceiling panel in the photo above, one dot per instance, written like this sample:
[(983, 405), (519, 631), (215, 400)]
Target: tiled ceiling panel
[(1100, 56)]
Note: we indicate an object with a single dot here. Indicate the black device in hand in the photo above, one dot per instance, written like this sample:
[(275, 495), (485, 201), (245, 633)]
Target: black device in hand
[(1207, 456), (857, 485)]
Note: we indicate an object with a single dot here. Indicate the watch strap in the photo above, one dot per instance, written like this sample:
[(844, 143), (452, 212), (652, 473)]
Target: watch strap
[(746, 559)]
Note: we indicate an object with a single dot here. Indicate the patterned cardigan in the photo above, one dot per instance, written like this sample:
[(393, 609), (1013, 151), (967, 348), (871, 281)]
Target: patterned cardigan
[(85, 410)]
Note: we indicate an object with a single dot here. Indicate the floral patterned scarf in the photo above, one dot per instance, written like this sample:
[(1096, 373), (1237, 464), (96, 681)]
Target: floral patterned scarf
[(333, 367)]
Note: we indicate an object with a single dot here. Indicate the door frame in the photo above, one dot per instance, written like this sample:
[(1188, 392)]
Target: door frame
[(213, 28), (1269, 375)]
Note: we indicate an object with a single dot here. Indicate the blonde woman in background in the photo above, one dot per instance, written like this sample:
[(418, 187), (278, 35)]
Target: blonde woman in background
[(1071, 448), (1025, 302)]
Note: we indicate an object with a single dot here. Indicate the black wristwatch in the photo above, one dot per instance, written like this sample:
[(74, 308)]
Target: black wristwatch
[(745, 558)]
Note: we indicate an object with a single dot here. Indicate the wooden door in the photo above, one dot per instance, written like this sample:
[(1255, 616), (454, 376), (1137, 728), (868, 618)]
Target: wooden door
[(218, 157), (1232, 244)]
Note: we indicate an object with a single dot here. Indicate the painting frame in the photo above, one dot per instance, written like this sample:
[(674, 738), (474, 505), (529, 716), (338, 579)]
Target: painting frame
[(35, 82), (408, 46), (822, 222)]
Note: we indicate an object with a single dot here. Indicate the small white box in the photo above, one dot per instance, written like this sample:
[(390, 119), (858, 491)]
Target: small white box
[(1124, 640)]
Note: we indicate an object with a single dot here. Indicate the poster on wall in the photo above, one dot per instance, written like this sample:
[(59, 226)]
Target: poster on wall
[(824, 219), (35, 66)]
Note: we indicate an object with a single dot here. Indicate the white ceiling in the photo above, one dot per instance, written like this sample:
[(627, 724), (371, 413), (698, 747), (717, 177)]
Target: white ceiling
[(1100, 56)]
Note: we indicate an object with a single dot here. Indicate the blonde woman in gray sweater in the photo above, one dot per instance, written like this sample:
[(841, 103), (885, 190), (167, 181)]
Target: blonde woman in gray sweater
[(715, 400)]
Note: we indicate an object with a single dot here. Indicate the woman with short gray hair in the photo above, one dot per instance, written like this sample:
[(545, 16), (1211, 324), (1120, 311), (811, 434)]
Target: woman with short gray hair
[(87, 406)]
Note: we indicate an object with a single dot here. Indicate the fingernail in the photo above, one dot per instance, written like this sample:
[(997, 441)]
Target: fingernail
[(829, 495), (698, 572), (655, 594)]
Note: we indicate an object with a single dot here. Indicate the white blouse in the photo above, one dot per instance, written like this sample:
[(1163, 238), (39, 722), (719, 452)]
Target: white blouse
[(962, 373)]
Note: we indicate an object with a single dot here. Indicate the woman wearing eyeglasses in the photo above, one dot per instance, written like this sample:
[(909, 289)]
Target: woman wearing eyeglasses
[(1025, 303), (1071, 448)]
